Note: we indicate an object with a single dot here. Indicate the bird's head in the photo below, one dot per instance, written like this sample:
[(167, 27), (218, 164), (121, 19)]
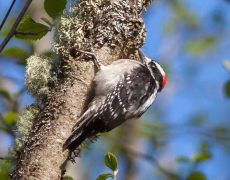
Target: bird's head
[(156, 71)]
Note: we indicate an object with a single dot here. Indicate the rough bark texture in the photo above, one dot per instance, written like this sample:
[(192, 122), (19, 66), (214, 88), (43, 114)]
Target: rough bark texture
[(113, 29)]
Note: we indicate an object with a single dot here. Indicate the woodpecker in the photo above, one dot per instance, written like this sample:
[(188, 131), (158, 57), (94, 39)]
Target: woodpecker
[(124, 90)]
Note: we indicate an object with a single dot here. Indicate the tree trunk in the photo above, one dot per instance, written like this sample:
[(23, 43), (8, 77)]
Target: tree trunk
[(113, 29)]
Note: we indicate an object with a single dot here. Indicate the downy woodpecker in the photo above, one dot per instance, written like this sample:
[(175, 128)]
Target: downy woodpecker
[(123, 90)]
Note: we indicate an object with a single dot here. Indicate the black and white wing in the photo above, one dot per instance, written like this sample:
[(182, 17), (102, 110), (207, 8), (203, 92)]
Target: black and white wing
[(130, 98)]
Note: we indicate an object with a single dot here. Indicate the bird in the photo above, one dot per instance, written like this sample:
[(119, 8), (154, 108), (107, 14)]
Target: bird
[(123, 90)]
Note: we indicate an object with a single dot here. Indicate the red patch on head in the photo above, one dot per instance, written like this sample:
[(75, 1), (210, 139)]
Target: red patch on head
[(164, 81)]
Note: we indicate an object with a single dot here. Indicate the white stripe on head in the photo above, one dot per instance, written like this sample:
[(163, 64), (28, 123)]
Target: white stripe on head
[(160, 68)]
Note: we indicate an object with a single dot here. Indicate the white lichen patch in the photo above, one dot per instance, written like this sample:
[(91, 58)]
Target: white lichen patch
[(24, 124), (72, 30), (38, 76)]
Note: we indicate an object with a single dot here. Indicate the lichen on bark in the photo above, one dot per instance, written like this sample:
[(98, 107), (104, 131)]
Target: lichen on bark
[(100, 23), (24, 124), (39, 75)]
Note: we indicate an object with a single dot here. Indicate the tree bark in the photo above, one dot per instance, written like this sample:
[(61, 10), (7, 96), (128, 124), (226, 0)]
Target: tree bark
[(113, 29)]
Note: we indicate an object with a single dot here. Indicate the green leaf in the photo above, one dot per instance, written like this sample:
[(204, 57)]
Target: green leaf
[(4, 93), (68, 178), (29, 29), (10, 118), (54, 7), (15, 53), (203, 156), (227, 89), (183, 14), (5, 170), (110, 161), (104, 176), (196, 176)]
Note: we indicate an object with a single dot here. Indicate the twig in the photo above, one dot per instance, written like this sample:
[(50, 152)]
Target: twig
[(7, 158), (152, 160), (148, 158), (7, 14), (15, 25), (8, 130), (1, 117)]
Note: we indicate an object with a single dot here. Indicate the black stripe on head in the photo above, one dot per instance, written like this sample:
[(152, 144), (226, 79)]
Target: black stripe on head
[(157, 72)]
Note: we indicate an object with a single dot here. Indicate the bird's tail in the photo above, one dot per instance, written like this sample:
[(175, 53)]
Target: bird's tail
[(80, 131), (75, 139)]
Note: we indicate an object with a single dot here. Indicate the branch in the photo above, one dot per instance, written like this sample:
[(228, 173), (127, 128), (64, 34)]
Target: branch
[(105, 26), (15, 25), (7, 14)]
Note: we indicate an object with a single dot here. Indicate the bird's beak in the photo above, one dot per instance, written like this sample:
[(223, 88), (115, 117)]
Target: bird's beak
[(142, 56)]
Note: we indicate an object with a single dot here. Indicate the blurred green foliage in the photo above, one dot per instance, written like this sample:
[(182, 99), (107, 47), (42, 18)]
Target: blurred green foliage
[(227, 88), (4, 93), (10, 118), (16, 53), (4, 170), (196, 176), (68, 178), (183, 14), (201, 45)]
